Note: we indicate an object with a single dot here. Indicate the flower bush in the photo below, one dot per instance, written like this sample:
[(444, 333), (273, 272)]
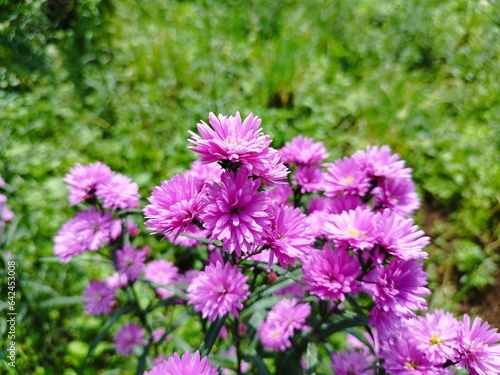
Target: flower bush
[(291, 254)]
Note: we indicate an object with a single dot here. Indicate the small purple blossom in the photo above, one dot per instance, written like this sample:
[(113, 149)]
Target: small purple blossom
[(218, 290), (161, 272), (351, 363), (98, 298), (185, 365), (398, 195), (402, 357), (130, 261), (303, 151), (83, 181), (127, 337), (345, 176), (309, 178), (380, 162), (119, 193)]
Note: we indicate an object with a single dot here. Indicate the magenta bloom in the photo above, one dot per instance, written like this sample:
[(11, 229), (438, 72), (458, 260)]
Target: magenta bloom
[(117, 281), (436, 335), (98, 298), (380, 162), (331, 273), (83, 181), (274, 171), (398, 195), (309, 178), (129, 335), (341, 203), (161, 272), (281, 194), (229, 139), (351, 362), (288, 239), (345, 176), (205, 173), (403, 358), (185, 365), (218, 290), (353, 228), (398, 287), (88, 230), (303, 151), (399, 236), (174, 206), (130, 261), (479, 347), (235, 212), (119, 192)]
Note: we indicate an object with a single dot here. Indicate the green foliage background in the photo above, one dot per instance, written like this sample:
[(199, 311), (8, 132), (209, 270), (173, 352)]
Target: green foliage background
[(122, 81)]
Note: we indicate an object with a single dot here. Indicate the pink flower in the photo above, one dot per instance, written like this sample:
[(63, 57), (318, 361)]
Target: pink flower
[(205, 173), (309, 178), (83, 181), (399, 236), (402, 357), (331, 273), (98, 298), (351, 362), (303, 151), (231, 140), (130, 261), (479, 347), (129, 336), (353, 228), (175, 206), (341, 203), (119, 192), (288, 239), (161, 272), (185, 365), (398, 195), (345, 176), (218, 290), (235, 212), (380, 162)]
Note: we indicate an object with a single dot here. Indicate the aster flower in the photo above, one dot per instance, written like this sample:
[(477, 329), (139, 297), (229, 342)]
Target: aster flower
[(127, 337), (274, 171), (229, 140), (235, 212), (185, 365), (479, 347), (130, 261), (272, 336), (399, 236), (280, 194), (204, 173), (380, 162), (351, 362), (98, 298), (303, 151), (309, 178), (398, 195), (174, 206), (331, 273), (402, 357), (161, 272), (354, 228), (436, 335), (398, 287), (345, 202), (288, 239), (345, 176), (218, 290), (118, 192), (88, 230), (83, 181), (117, 281), (315, 221)]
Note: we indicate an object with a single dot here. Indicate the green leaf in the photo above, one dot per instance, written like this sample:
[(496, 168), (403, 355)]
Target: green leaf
[(341, 325), (61, 301), (211, 336), (311, 358)]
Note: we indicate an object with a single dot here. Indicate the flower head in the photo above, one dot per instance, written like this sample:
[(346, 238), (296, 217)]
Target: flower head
[(185, 365), (235, 212), (98, 298), (161, 272), (351, 362), (83, 181), (118, 192), (303, 151), (218, 290), (127, 337), (354, 228), (382, 163), (130, 261), (397, 194), (345, 176), (309, 178)]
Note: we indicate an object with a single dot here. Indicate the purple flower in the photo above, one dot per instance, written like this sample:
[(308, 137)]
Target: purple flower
[(218, 290), (161, 272), (402, 357), (274, 171), (83, 181), (174, 206), (127, 337), (354, 228), (229, 139), (398, 287), (380, 162), (398, 195), (399, 236), (119, 192), (205, 173), (309, 178), (436, 335), (130, 261), (345, 176), (303, 151), (235, 212), (343, 202), (281, 194), (117, 281), (88, 230), (479, 347), (185, 365), (351, 363), (98, 298), (331, 273), (288, 239)]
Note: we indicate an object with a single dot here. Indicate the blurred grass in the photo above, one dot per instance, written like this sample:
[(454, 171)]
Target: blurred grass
[(122, 83)]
